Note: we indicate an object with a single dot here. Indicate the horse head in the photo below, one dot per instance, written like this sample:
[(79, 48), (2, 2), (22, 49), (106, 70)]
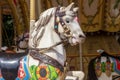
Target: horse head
[(60, 20), (22, 41), (67, 20)]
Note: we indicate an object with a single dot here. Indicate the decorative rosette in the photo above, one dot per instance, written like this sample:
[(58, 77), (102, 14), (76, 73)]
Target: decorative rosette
[(42, 72)]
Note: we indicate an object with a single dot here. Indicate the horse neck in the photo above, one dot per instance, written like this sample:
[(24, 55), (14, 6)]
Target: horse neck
[(50, 38)]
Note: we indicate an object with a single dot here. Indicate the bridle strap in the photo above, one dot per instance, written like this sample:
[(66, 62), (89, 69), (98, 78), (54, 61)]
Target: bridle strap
[(60, 15), (56, 23), (18, 42), (43, 50)]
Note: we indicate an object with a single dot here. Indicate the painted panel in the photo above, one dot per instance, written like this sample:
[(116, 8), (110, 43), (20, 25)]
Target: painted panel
[(112, 16), (91, 15)]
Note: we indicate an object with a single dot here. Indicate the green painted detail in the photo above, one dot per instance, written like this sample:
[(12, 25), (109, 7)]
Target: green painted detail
[(103, 66), (53, 74), (33, 72), (113, 66)]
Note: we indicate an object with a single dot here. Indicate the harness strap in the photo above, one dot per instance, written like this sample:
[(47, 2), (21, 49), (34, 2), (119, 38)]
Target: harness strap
[(46, 59), (43, 50), (60, 15)]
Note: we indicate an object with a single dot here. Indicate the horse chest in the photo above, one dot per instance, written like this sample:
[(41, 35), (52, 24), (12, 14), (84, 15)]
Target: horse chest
[(41, 67), (38, 70)]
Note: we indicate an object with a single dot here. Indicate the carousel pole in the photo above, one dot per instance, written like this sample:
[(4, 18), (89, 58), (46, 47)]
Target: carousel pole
[(80, 54), (32, 13), (0, 27), (39, 7), (32, 18)]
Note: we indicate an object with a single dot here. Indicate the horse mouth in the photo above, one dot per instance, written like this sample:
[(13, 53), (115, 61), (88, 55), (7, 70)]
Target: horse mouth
[(74, 41)]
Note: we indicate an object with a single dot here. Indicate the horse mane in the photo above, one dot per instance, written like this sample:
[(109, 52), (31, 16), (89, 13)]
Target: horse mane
[(40, 24), (105, 54), (44, 18), (91, 70)]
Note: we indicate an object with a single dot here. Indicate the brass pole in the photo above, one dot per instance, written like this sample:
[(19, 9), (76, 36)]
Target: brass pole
[(32, 9), (32, 20)]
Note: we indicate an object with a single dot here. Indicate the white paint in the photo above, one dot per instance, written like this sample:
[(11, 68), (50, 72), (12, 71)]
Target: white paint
[(75, 75)]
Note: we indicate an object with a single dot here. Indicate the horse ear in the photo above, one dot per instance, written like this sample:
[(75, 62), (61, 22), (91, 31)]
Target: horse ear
[(69, 7), (100, 51), (75, 9)]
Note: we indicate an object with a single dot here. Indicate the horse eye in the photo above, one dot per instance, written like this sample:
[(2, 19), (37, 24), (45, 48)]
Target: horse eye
[(67, 21)]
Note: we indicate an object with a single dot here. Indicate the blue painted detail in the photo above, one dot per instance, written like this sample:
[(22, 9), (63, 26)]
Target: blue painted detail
[(25, 69), (115, 66), (55, 26), (17, 78), (2, 79)]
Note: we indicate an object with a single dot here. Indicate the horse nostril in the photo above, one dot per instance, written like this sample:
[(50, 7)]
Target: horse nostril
[(82, 36)]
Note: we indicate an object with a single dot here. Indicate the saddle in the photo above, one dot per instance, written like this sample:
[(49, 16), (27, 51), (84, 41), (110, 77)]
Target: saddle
[(46, 59), (9, 64)]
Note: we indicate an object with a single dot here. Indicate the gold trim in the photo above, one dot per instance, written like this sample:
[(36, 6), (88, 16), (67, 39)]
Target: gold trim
[(25, 13)]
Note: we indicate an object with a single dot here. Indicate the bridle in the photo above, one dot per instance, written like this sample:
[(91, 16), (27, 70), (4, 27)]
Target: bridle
[(58, 19), (67, 32), (22, 39)]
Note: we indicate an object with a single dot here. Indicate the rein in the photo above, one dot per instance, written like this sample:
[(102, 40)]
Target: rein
[(22, 39), (43, 50)]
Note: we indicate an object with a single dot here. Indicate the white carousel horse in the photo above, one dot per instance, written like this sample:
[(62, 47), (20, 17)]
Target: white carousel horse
[(22, 42), (104, 67), (46, 57)]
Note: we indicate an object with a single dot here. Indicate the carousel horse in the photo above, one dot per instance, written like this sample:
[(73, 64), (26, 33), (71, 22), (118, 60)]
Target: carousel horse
[(22, 42), (104, 67), (46, 55)]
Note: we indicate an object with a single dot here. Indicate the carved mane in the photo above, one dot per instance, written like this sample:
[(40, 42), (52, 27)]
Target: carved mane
[(45, 17), (40, 24)]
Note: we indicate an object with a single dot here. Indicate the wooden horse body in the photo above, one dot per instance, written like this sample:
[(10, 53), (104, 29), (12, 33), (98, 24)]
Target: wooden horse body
[(104, 67), (46, 56)]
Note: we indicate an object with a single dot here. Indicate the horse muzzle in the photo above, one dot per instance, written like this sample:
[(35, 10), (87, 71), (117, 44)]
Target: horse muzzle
[(76, 40), (82, 38)]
